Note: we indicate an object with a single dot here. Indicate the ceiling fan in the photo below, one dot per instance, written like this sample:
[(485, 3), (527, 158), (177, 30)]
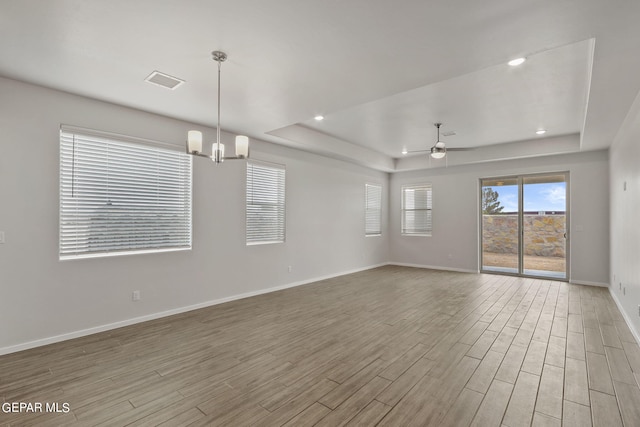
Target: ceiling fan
[(439, 149)]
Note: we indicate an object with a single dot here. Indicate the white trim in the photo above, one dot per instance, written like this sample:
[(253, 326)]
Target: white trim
[(434, 267), (120, 253), (153, 316), (587, 283), (89, 227), (425, 186), (627, 320), (270, 242), (120, 137), (266, 163), (276, 232)]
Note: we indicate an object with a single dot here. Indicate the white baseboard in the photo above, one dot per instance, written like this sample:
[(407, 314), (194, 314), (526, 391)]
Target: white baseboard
[(433, 267), (153, 316), (584, 282), (627, 320)]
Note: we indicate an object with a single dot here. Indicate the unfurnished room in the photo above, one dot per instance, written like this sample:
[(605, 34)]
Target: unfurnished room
[(338, 213)]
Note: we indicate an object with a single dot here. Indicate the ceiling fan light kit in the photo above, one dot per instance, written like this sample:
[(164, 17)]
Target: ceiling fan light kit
[(438, 153), (439, 150)]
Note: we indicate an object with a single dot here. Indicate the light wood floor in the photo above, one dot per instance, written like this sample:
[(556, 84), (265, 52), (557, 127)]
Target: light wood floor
[(392, 346)]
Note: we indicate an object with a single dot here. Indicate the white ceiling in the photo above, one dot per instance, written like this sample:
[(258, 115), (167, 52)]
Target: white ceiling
[(380, 72)]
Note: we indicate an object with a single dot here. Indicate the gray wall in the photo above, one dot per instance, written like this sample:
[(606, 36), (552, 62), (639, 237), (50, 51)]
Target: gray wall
[(454, 242), (44, 300), (625, 218)]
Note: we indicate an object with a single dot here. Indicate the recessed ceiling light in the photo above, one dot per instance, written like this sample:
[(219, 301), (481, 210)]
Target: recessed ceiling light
[(404, 151), (516, 62), (319, 118), (541, 132)]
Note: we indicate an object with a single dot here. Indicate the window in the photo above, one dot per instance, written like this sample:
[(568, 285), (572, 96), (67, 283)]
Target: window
[(416, 210), (265, 203), (118, 196), (373, 210)]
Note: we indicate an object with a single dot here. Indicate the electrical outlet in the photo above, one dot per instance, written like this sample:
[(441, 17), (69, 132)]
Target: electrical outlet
[(290, 269), (135, 296), (624, 186), (1, 237)]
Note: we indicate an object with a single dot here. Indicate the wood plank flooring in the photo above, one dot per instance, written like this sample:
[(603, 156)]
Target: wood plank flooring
[(391, 346)]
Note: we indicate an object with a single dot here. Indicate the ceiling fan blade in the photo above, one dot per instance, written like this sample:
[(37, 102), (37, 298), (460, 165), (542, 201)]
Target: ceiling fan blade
[(461, 149), (418, 151)]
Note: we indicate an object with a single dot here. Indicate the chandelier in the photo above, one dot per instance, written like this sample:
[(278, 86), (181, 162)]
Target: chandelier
[(194, 137)]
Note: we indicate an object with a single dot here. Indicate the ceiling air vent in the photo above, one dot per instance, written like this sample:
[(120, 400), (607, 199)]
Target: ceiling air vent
[(164, 80)]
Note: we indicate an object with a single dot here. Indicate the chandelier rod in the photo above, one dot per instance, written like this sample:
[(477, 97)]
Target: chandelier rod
[(220, 57), (218, 129)]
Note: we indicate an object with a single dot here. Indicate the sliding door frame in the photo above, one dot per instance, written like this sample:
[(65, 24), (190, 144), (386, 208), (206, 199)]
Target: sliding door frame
[(520, 179)]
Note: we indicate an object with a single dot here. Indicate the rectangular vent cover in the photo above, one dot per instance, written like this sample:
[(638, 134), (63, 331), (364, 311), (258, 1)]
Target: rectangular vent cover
[(164, 80)]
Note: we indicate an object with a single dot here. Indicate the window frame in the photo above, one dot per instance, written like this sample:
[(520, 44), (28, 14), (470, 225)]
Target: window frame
[(403, 230), (95, 143), (367, 210), (280, 207)]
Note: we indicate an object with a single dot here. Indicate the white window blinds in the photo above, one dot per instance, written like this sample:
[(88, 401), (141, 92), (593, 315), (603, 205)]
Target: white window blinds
[(373, 210), (416, 210), (265, 203), (118, 196)]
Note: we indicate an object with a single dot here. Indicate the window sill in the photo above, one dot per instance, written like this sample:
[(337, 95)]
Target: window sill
[(120, 253), (264, 243)]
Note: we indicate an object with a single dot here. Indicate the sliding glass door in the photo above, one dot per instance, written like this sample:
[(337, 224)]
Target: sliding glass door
[(544, 225), (500, 212), (524, 225)]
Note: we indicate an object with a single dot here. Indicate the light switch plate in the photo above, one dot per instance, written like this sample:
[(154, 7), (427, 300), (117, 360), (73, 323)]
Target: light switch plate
[(1, 237)]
